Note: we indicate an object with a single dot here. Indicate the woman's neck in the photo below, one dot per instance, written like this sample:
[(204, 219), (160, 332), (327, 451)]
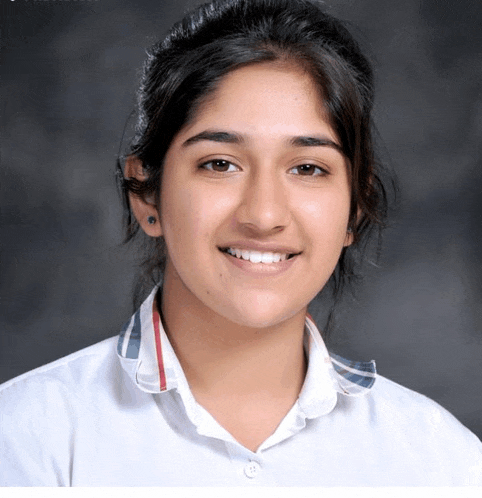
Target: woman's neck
[(247, 378), (222, 358)]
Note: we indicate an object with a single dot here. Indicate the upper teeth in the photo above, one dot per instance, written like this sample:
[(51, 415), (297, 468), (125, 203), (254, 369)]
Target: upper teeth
[(257, 256)]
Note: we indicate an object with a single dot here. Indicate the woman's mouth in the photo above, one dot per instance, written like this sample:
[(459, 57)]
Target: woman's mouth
[(257, 256)]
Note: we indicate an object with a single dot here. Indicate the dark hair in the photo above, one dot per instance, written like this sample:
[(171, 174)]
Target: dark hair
[(224, 35)]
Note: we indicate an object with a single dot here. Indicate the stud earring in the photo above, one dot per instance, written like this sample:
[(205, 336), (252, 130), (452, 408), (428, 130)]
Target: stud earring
[(349, 230), (151, 220)]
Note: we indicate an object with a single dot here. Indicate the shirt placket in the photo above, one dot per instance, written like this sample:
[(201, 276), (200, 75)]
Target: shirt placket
[(250, 468)]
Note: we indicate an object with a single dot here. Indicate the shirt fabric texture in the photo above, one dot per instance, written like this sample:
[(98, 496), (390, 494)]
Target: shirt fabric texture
[(120, 413)]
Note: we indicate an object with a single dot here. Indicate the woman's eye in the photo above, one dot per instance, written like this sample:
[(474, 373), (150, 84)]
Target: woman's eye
[(308, 170), (219, 166)]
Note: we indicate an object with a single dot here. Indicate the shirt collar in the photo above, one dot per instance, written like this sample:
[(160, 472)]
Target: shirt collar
[(147, 356)]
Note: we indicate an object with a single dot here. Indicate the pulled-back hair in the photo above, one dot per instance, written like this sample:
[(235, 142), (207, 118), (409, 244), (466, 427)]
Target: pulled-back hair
[(221, 36)]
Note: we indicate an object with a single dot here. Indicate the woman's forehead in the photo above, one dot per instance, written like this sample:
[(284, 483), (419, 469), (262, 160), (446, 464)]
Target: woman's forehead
[(263, 100)]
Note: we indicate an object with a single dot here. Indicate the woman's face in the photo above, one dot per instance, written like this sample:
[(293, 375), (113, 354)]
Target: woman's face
[(257, 175)]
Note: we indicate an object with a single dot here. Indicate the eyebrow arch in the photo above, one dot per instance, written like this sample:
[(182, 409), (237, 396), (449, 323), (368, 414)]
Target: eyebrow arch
[(315, 142), (215, 136)]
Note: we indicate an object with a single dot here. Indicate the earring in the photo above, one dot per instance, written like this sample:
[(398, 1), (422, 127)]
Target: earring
[(151, 220), (349, 230)]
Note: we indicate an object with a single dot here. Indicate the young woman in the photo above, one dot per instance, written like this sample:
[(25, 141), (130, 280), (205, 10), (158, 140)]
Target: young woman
[(253, 184)]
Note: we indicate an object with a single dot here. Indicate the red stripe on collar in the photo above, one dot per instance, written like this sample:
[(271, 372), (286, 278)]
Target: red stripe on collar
[(156, 319)]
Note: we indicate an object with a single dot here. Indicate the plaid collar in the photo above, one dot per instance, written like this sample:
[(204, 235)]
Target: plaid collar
[(148, 357)]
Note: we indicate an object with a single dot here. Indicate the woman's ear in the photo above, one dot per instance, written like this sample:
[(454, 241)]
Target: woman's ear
[(349, 237), (144, 209)]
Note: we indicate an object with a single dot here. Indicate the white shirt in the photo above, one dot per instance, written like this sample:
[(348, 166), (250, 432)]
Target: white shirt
[(120, 413)]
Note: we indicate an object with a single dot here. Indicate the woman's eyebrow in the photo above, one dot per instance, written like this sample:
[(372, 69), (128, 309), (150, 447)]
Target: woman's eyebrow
[(215, 136), (238, 139), (305, 141)]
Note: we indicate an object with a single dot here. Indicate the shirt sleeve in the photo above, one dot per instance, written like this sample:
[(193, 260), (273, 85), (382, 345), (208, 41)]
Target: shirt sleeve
[(35, 436)]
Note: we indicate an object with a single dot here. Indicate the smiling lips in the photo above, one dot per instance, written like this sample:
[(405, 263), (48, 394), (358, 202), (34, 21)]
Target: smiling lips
[(258, 256)]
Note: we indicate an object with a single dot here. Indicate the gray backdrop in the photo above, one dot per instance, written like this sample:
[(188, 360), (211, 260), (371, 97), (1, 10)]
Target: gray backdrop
[(69, 75)]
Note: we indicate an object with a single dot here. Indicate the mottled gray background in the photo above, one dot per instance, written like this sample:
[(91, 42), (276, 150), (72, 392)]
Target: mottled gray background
[(69, 75)]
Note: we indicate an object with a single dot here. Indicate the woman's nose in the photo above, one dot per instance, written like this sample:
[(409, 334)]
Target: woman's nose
[(264, 206)]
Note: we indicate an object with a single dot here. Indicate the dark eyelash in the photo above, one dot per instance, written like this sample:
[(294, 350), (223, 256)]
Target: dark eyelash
[(214, 161), (323, 171)]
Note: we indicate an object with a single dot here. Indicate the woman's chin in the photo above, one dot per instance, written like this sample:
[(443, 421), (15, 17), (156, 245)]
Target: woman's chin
[(259, 313)]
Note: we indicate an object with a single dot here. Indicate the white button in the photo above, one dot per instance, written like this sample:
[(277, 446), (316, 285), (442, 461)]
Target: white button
[(251, 470)]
